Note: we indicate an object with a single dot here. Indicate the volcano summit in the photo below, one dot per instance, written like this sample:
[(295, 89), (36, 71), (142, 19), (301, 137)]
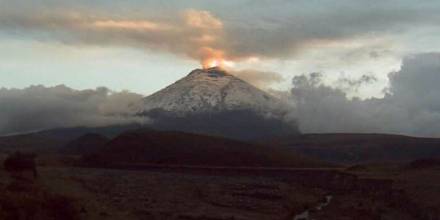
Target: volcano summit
[(212, 101)]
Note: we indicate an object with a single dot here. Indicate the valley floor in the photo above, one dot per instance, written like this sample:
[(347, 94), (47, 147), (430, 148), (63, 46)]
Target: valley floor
[(187, 195), (122, 194)]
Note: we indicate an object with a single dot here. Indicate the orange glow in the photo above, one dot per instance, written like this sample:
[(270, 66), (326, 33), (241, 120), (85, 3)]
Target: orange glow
[(211, 62), (216, 62), (212, 57), (127, 24)]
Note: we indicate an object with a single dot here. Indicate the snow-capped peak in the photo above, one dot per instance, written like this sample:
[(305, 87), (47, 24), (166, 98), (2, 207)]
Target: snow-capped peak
[(211, 90)]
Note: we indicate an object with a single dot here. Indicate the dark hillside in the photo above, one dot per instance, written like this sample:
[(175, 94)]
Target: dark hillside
[(178, 148)]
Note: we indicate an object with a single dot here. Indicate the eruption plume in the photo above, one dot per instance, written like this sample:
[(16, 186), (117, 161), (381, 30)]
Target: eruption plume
[(214, 58)]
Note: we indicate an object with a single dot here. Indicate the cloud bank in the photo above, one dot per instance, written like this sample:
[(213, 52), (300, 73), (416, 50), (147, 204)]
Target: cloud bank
[(411, 104), (39, 107)]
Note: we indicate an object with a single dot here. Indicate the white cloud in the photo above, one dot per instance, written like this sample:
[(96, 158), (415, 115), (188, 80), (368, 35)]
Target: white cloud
[(39, 107)]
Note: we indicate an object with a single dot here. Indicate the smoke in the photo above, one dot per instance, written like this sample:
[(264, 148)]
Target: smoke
[(411, 104), (39, 107), (195, 34)]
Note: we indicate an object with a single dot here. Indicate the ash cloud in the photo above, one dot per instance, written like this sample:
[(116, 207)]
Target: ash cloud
[(195, 34), (411, 104), (279, 29), (39, 107)]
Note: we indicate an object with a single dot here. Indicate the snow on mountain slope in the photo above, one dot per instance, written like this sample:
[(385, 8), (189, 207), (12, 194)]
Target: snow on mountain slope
[(212, 90)]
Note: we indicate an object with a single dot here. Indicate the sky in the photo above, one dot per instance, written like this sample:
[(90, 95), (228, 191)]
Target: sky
[(143, 46), (356, 49)]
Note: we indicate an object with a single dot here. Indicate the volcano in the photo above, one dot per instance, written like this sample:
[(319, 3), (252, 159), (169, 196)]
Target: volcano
[(212, 101)]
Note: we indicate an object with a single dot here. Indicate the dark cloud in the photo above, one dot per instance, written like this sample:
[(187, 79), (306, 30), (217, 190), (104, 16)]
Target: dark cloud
[(292, 27), (39, 107), (410, 106)]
